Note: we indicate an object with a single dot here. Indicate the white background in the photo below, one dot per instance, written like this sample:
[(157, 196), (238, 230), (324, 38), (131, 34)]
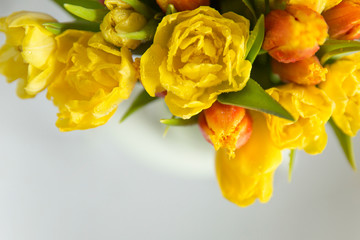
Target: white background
[(125, 181)]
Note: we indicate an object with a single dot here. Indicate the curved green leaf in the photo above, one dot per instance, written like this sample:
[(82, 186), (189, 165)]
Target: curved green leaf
[(140, 101), (94, 4), (152, 4), (333, 48), (242, 7), (262, 52), (255, 40), (57, 28), (179, 121), (261, 6), (249, 6), (252, 96), (291, 163), (346, 144), (89, 14)]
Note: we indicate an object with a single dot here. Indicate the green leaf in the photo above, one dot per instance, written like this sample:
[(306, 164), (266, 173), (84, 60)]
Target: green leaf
[(261, 6), (142, 48), (94, 4), (141, 8), (145, 34), (262, 73), (333, 48), (262, 52), (252, 96), (249, 6), (292, 156), (152, 4), (57, 28), (89, 14), (255, 40), (167, 129), (346, 144), (179, 121), (140, 101), (243, 8), (84, 3)]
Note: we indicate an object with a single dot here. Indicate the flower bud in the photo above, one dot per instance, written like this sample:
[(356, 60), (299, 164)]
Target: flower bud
[(344, 20), (294, 34), (308, 71), (226, 126), (119, 21), (182, 5)]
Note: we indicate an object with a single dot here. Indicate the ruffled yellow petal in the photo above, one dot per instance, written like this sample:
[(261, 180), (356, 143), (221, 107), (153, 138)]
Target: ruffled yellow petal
[(196, 55), (343, 87), (94, 78), (311, 109)]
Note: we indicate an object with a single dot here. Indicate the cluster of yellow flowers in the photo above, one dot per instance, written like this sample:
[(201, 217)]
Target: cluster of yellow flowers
[(86, 76), (196, 55)]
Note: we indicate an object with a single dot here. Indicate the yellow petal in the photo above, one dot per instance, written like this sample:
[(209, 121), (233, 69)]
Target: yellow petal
[(249, 174), (149, 70)]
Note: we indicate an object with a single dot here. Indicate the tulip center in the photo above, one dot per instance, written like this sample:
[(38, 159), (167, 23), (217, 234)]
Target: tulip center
[(195, 49)]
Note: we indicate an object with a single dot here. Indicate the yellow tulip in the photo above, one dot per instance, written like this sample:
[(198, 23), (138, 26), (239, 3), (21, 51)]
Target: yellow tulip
[(94, 78), (196, 55), (28, 53), (249, 175), (311, 109), (343, 87)]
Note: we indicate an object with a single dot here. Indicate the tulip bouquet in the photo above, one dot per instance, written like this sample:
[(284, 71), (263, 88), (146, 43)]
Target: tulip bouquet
[(258, 77)]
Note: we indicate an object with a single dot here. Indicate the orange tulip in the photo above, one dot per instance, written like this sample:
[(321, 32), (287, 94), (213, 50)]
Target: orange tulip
[(226, 126), (294, 34), (344, 20), (304, 72), (182, 5)]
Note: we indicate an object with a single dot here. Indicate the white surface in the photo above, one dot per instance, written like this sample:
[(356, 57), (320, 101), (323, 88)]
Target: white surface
[(127, 182)]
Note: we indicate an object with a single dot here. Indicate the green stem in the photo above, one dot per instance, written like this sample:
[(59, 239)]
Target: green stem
[(58, 28)]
